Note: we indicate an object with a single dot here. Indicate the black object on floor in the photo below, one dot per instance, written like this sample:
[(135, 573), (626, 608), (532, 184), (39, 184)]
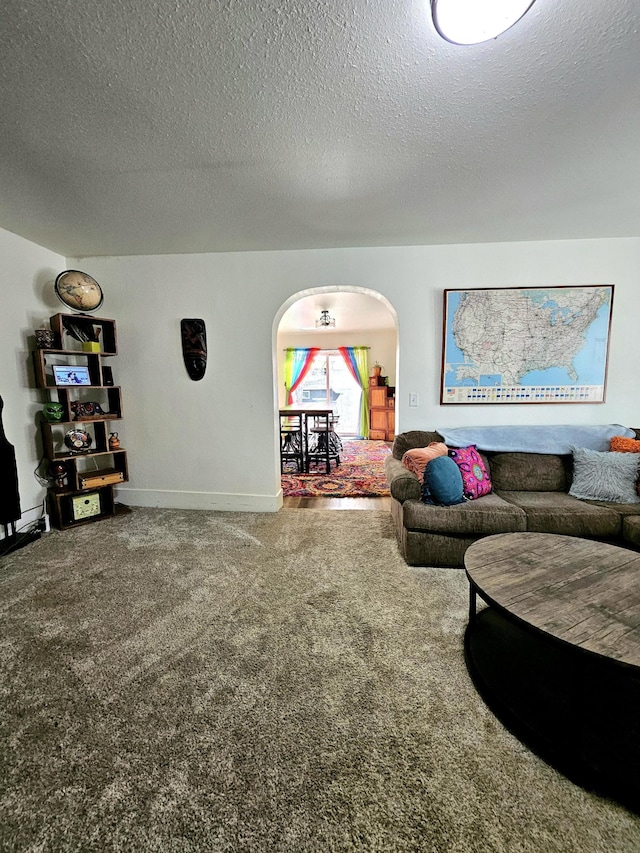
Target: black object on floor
[(11, 544), (578, 711), (9, 495)]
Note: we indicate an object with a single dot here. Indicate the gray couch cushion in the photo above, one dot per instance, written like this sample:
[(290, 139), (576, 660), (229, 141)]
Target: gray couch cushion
[(437, 550), (621, 509), (489, 514), (557, 512), (631, 529), (540, 472)]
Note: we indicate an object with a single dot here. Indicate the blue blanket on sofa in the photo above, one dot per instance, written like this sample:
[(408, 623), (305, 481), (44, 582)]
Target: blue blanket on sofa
[(535, 439)]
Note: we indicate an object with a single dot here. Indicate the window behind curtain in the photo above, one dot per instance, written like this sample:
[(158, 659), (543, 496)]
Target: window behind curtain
[(329, 382)]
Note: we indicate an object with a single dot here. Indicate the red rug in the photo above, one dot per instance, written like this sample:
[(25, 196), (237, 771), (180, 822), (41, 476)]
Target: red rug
[(359, 475)]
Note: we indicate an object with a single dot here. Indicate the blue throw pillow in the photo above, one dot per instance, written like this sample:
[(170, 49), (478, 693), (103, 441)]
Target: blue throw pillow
[(442, 482)]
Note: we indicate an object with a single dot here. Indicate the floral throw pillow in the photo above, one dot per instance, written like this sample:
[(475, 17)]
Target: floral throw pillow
[(475, 477)]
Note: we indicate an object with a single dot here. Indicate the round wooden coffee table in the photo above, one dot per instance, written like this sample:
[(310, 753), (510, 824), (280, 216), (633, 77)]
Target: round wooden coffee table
[(556, 654)]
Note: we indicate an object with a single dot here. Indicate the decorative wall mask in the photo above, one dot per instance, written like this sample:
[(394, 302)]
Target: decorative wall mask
[(194, 347)]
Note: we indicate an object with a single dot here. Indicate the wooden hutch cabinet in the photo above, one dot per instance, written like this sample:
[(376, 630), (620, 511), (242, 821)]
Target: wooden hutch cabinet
[(382, 413)]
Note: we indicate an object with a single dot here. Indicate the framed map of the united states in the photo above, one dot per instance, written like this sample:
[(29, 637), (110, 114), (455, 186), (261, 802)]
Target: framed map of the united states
[(526, 345)]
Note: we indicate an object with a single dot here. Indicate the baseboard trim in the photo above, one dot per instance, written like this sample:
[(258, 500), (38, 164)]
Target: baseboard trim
[(200, 500)]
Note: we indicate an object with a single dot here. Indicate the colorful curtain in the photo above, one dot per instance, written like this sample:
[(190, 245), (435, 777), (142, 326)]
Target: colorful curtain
[(297, 362), (357, 360)]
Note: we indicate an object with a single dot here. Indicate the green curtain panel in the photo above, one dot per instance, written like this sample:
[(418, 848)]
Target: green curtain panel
[(357, 359)]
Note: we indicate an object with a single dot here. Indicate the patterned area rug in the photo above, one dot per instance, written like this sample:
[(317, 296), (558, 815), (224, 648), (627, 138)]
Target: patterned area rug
[(360, 474)]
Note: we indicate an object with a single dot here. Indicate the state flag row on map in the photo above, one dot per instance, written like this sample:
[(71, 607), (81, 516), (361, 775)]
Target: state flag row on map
[(524, 394)]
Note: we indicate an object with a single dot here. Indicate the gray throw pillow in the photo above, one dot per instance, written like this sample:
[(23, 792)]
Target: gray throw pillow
[(604, 476)]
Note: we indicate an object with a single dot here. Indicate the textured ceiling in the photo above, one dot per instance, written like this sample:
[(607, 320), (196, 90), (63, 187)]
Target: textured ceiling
[(215, 125)]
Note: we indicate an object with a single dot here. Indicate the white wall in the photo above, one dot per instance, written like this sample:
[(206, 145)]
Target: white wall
[(26, 296), (213, 443)]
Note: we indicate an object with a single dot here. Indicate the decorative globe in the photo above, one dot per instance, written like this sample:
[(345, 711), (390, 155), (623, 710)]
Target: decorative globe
[(78, 291)]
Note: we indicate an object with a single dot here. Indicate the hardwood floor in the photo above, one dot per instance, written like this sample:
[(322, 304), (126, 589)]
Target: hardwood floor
[(383, 504)]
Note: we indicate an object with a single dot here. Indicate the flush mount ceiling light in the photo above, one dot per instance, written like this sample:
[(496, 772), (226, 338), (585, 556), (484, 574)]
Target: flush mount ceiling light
[(325, 320), (475, 21)]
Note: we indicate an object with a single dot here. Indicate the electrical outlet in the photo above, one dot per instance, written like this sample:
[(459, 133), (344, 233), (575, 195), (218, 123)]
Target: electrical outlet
[(413, 398)]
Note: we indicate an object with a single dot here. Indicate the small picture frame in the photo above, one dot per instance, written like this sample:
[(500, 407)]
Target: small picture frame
[(85, 506), (71, 375)]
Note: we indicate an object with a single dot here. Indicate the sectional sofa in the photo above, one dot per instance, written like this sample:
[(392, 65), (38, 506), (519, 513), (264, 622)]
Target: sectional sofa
[(530, 492)]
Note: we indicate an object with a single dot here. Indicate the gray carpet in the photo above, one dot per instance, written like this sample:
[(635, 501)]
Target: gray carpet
[(182, 681)]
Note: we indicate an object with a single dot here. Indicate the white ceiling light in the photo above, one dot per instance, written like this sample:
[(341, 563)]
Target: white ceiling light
[(474, 21), (325, 320)]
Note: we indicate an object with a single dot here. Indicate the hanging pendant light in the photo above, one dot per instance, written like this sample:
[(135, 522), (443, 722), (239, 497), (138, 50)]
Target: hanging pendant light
[(324, 321), (475, 21)]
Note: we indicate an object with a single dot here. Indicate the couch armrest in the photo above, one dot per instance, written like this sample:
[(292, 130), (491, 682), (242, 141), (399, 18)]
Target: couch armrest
[(403, 484)]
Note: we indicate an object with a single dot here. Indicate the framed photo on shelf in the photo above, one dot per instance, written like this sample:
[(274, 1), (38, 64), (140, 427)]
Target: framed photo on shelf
[(71, 375), (526, 344), (85, 506)]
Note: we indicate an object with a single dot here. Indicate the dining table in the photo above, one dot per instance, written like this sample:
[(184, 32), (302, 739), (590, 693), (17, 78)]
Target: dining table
[(306, 411)]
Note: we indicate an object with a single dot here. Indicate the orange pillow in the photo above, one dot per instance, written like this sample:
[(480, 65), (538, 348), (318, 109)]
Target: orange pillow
[(620, 444), (416, 459)]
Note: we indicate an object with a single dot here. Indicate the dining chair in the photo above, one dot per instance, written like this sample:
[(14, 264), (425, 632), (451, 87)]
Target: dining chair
[(292, 442), (323, 445)]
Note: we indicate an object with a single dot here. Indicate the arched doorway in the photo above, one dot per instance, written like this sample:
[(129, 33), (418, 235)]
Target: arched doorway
[(353, 317)]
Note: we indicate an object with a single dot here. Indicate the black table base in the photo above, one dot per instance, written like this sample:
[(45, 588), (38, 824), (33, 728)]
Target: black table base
[(578, 711)]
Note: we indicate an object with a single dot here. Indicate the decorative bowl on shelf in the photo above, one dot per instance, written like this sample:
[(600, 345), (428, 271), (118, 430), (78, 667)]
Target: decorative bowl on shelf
[(77, 440)]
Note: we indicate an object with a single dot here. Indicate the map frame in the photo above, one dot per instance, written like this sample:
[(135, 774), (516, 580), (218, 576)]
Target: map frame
[(496, 392)]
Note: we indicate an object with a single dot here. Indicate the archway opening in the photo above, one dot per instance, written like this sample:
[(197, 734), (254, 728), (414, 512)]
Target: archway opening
[(364, 322)]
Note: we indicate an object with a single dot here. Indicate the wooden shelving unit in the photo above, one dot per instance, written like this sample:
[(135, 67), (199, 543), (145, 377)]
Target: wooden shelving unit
[(85, 478)]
